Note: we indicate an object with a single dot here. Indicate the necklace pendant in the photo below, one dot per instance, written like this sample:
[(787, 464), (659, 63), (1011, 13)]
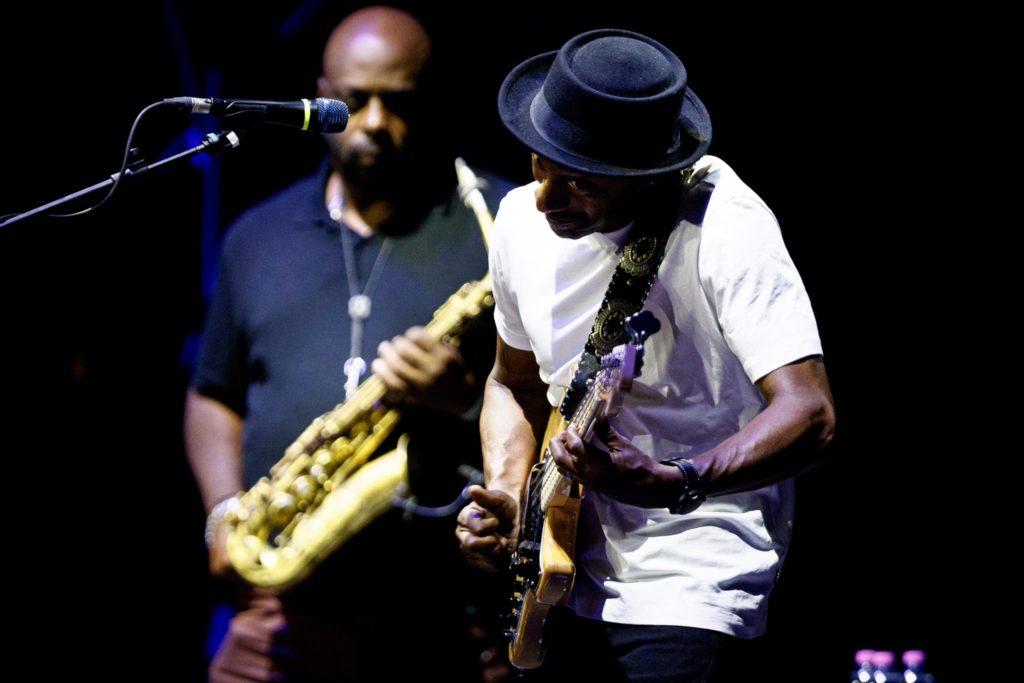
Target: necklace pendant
[(359, 306), (354, 369)]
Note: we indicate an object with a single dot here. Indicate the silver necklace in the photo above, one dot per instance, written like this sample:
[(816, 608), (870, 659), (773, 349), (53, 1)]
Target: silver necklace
[(360, 304)]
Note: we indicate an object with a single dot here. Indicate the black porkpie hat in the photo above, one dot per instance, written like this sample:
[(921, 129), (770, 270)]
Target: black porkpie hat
[(610, 102)]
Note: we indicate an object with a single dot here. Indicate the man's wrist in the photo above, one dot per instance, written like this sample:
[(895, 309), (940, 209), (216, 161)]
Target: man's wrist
[(692, 495), (217, 515)]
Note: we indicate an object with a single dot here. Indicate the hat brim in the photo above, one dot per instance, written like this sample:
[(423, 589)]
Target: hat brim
[(525, 81)]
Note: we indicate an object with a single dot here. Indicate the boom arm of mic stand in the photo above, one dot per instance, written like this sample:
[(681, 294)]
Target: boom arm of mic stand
[(213, 143)]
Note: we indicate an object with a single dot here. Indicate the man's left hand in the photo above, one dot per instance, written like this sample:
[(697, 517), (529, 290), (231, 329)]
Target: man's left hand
[(421, 370), (623, 471)]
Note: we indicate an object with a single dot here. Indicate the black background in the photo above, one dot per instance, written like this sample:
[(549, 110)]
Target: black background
[(816, 112)]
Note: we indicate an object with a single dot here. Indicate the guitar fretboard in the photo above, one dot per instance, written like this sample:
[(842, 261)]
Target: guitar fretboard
[(555, 485)]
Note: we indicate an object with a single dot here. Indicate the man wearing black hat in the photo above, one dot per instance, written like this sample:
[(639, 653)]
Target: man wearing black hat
[(688, 491)]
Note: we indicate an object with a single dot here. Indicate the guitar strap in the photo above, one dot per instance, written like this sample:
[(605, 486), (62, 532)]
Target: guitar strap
[(634, 275)]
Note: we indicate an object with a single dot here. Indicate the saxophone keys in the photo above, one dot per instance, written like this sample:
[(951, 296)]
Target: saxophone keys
[(281, 509), (304, 488)]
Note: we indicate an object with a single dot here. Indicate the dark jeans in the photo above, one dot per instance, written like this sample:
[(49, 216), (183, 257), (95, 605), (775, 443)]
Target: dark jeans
[(581, 649)]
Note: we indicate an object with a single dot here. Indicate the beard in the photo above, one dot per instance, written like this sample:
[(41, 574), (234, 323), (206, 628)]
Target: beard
[(371, 163)]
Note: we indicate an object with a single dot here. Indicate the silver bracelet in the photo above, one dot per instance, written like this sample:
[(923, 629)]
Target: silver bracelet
[(217, 515)]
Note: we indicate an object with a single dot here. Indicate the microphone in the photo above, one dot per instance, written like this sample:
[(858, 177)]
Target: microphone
[(321, 115)]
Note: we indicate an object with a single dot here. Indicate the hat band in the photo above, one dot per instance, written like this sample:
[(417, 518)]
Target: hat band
[(620, 146)]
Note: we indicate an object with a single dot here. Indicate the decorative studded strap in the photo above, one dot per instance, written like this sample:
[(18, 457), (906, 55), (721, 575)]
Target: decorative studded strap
[(633, 277)]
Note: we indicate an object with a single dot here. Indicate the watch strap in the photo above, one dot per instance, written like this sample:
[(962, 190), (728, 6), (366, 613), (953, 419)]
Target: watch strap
[(693, 492)]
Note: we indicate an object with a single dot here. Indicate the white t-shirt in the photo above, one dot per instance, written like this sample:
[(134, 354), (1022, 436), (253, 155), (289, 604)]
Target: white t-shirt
[(732, 308)]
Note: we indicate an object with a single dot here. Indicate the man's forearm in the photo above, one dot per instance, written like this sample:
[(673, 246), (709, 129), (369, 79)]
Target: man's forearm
[(785, 439), (213, 443), (511, 424)]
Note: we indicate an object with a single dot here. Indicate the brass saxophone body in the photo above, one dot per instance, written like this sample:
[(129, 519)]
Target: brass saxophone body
[(326, 487)]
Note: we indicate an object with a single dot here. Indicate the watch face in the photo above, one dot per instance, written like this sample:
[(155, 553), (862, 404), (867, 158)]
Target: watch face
[(692, 496), (688, 502)]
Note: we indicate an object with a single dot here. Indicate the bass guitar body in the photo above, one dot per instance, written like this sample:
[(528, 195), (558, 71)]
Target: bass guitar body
[(542, 566)]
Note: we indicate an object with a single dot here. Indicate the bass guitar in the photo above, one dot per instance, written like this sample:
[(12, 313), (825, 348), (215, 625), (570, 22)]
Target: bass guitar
[(542, 565)]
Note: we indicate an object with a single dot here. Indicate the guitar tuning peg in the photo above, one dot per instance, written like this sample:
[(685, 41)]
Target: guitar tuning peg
[(641, 325)]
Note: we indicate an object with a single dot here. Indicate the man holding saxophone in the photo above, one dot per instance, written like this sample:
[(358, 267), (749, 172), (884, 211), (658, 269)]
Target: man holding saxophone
[(341, 267)]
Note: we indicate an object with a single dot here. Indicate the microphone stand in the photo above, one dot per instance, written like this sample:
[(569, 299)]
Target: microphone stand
[(214, 143)]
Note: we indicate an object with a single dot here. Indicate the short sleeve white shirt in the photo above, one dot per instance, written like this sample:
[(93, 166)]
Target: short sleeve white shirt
[(732, 308)]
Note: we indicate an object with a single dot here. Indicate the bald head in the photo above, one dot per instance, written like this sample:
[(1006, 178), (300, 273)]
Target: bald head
[(374, 61), (382, 38)]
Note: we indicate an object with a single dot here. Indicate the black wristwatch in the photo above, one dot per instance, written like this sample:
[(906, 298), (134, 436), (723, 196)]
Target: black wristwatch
[(693, 493)]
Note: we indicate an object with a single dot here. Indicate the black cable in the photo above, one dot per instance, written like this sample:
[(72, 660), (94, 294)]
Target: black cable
[(121, 173), (410, 507)]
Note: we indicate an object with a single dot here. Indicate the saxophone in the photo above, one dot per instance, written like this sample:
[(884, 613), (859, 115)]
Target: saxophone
[(326, 488)]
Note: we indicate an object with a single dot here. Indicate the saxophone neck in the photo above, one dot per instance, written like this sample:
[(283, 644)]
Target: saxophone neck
[(469, 190)]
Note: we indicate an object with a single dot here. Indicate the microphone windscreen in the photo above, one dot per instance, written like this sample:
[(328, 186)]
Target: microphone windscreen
[(332, 114)]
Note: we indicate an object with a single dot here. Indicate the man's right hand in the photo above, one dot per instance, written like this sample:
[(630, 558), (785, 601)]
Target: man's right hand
[(487, 528)]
